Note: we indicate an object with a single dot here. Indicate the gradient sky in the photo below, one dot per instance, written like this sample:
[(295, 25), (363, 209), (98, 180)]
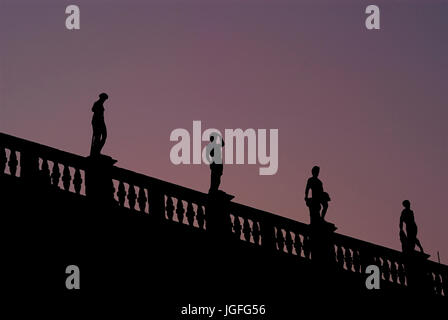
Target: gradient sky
[(369, 107)]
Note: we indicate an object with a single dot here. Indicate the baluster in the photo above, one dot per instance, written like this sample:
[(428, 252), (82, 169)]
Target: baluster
[(132, 197), (12, 164), (3, 160), (401, 274), (362, 260), (307, 247), (430, 278), (340, 256), (356, 261), (180, 211), (77, 181), (375, 261), (169, 208), (348, 258), (141, 199), (368, 258), (246, 230), (24, 165), (200, 217), (445, 283), (111, 188), (121, 194), (280, 239), (237, 227), (55, 174), (437, 284), (190, 213), (393, 271), (298, 244), (385, 269), (288, 242), (149, 202), (66, 178), (45, 172), (256, 232)]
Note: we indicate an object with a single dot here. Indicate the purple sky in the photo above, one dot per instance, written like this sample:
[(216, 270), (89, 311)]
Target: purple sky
[(369, 107)]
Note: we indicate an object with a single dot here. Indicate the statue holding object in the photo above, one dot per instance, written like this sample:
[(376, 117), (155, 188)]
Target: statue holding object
[(319, 199)]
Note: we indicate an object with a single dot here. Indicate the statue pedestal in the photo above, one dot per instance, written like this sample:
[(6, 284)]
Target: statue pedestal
[(99, 186), (322, 246), (217, 214), (323, 226)]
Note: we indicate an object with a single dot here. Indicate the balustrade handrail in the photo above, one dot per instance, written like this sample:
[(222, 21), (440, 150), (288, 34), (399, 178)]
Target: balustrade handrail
[(171, 189), (350, 242), (435, 266), (265, 216), (139, 179), (22, 145)]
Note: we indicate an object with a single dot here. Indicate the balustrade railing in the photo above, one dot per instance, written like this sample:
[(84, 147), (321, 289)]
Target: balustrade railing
[(159, 198), (354, 255), (163, 200), (266, 229), (438, 274), (26, 159)]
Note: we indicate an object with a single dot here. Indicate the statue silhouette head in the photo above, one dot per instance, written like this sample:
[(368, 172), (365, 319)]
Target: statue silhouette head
[(315, 171), (103, 96), (407, 204)]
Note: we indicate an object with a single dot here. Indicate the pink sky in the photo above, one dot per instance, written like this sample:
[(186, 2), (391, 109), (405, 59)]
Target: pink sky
[(368, 107)]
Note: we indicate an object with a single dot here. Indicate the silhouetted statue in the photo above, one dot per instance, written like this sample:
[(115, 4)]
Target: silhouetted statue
[(409, 239), (98, 125), (319, 197), (214, 156)]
